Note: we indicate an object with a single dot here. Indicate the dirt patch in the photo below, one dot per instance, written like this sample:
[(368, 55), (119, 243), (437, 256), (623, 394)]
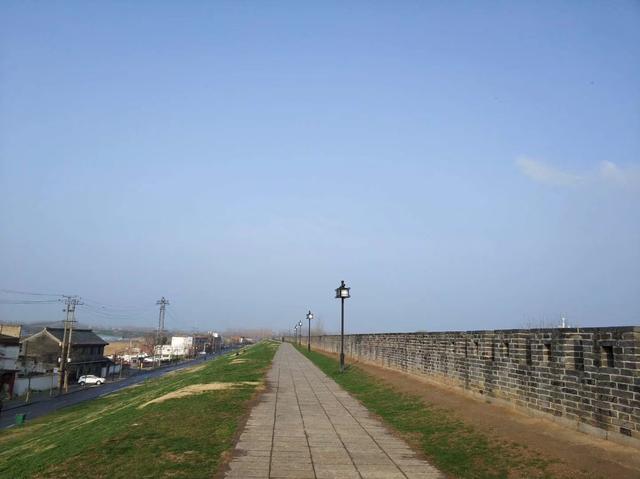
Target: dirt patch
[(123, 390), (227, 456), (192, 369), (197, 389), (573, 453), (179, 458), (38, 447), (238, 361)]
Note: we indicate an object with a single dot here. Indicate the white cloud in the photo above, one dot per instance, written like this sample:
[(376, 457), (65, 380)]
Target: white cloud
[(612, 173), (539, 171), (607, 173)]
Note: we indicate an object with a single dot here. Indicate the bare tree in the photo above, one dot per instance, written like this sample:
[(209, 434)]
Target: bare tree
[(148, 343)]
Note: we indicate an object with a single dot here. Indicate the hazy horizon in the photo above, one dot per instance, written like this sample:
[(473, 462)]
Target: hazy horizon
[(461, 167)]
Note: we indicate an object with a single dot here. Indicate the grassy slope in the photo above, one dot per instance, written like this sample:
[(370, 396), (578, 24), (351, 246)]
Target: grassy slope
[(451, 445), (112, 437)]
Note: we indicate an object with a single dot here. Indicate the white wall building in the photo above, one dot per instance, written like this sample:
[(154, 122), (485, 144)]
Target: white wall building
[(9, 351), (43, 382), (182, 345), (163, 352)]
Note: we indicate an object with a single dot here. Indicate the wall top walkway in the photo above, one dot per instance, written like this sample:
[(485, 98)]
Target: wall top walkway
[(306, 426)]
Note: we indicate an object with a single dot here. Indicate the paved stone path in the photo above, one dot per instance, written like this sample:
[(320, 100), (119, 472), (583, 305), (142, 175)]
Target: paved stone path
[(307, 427)]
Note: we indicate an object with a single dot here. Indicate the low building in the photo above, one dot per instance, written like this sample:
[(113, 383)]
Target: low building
[(202, 343), (13, 330), (40, 352), (207, 343), (163, 352), (9, 352), (182, 346), (134, 357), (217, 342)]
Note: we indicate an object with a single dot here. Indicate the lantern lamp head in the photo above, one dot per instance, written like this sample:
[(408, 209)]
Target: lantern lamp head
[(309, 315), (342, 292)]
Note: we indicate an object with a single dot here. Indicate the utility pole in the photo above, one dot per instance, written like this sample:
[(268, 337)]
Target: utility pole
[(163, 304), (65, 357), (27, 371), (63, 347)]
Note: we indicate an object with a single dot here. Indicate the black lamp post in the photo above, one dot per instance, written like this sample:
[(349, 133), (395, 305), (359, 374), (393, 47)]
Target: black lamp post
[(295, 330), (309, 318), (299, 333), (342, 293)]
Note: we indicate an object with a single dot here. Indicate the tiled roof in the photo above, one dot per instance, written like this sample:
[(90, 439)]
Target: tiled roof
[(78, 336), (9, 340)]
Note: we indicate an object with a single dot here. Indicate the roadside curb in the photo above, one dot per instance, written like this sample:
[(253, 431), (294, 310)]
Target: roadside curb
[(49, 398)]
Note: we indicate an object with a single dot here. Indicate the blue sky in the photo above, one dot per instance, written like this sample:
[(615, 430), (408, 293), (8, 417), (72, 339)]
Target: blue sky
[(467, 165)]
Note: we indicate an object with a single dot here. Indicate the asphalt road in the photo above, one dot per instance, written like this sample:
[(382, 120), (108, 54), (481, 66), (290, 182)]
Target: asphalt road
[(47, 406)]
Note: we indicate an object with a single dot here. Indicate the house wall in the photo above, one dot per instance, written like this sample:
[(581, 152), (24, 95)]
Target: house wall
[(42, 350), (106, 371), (38, 383), (181, 345), (9, 357), (82, 353), (585, 378), (79, 369), (11, 330)]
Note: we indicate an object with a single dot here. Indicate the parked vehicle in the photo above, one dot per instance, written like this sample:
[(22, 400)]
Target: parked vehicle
[(91, 379)]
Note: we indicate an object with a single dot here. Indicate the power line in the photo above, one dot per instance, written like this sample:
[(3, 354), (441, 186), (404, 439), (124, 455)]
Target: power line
[(116, 314), (101, 305), (172, 316), (44, 301), (28, 293), (94, 305), (51, 323)]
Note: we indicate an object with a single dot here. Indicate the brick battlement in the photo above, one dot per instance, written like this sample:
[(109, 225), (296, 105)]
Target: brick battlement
[(587, 378)]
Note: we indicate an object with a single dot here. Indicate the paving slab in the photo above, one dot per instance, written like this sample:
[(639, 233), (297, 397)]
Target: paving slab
[(308, 427)]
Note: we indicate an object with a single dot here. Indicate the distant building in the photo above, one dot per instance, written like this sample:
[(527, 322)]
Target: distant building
[(134, 357), (202, 343), (14, 330), (182, 345), (9, 352), (216, 342), (163, 352), (41, 351), (208, 343)]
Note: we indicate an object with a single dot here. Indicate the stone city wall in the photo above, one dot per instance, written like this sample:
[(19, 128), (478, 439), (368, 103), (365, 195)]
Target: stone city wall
[(587, 378)]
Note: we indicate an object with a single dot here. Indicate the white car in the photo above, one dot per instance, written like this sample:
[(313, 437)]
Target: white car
[(90, 379)]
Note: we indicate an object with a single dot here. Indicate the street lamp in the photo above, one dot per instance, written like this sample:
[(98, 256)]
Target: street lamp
[(309, 318), (300, 334), (342, 293), (295, 331)]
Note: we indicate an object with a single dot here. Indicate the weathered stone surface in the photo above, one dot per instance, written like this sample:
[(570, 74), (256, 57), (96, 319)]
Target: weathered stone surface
[(584, 376), (307, 427)]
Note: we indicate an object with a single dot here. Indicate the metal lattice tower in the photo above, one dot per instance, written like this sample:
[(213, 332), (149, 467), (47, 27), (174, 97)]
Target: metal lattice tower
[(163, 303)]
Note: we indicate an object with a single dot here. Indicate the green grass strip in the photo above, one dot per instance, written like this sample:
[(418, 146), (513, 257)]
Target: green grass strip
[(115, 437), (451, 445)]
